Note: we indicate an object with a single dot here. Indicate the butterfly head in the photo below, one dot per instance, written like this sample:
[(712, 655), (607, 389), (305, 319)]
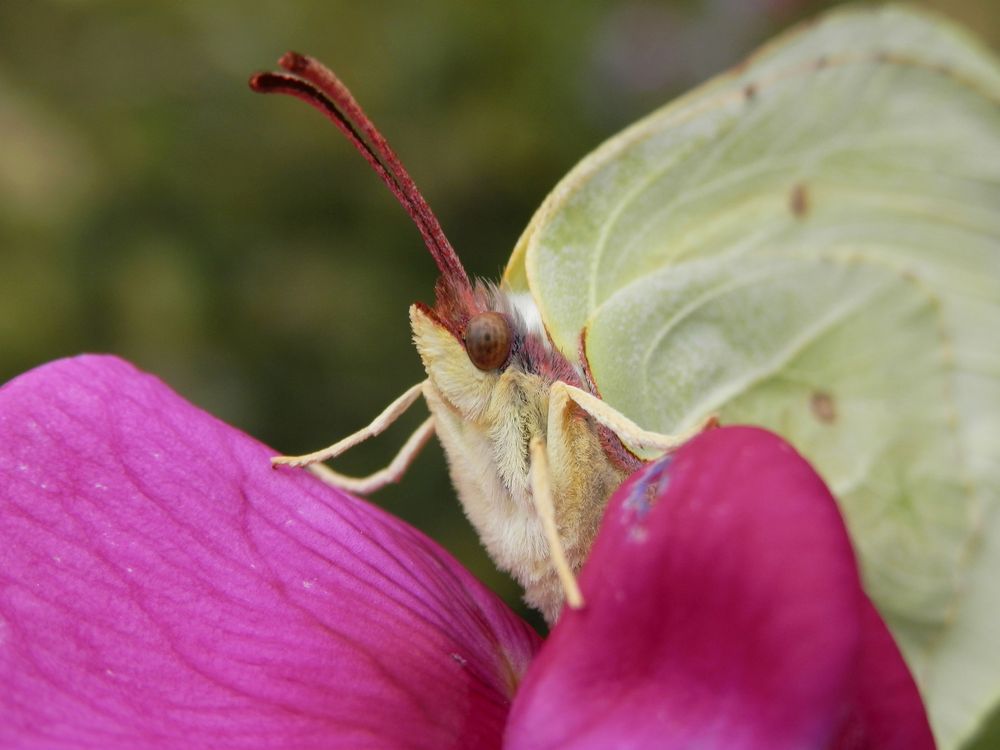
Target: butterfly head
[(501, 344)]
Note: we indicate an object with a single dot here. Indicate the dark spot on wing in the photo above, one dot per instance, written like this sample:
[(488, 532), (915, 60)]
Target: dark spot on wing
[(798, 200), (823, 407), (750, 91)]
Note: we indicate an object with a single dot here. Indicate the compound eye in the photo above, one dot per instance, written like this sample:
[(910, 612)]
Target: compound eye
[(488, 340)]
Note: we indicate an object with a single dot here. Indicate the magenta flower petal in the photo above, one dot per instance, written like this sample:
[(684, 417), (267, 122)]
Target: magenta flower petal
[(724, 610), (162, 586), (887, 711)]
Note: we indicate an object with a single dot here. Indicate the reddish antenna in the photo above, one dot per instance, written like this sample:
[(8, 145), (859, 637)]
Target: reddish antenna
[(318, 86)]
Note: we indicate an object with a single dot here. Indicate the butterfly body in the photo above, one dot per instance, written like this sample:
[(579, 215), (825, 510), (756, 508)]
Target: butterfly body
[(486, 421), (809, 243)]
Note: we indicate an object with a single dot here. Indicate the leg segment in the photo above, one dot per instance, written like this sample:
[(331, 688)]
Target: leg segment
[(542, 495), (379, 424), (391, 473), (632, 435)]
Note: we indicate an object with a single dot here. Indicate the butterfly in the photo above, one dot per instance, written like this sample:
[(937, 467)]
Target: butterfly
[(809, 242)]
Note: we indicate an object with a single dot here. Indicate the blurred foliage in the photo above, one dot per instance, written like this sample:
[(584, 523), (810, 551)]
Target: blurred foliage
[(236, 246)]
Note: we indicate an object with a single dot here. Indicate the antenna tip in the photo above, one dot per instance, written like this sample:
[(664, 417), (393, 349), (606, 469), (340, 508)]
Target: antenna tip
[(262, 83), (294, 62)]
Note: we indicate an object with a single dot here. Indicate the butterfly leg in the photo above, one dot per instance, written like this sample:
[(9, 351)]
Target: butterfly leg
[(378, 425), (391, 473), (632, 435), (541, 493)]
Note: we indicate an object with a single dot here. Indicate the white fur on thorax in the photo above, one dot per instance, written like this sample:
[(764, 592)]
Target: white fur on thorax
[(525, 305)]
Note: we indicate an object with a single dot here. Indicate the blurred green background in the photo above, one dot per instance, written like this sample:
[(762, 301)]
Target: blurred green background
[(238, 247)]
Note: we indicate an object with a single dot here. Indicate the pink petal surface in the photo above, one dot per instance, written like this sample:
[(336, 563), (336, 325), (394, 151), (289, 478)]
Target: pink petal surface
[(724, 610), (162, 586), (887, 713)]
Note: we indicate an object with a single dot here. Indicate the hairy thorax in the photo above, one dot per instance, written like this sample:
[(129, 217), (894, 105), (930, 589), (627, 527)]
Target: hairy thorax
[(488, 459)]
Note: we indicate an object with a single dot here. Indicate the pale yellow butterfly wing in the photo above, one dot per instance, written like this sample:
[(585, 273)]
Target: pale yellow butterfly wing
[(812, 243)]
